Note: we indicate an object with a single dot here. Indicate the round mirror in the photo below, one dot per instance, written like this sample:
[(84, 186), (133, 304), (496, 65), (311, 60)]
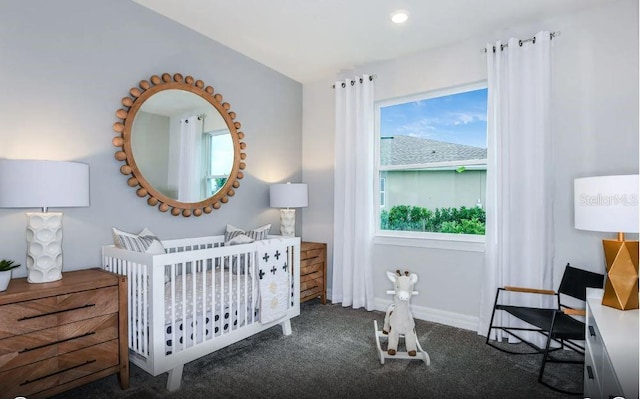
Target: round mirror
[(180, 145)]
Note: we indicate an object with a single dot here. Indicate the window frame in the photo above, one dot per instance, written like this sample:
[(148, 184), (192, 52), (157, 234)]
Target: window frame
[(464, 242)]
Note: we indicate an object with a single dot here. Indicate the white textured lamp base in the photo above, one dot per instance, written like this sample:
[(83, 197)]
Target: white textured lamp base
[(288, 222), (44, 247)]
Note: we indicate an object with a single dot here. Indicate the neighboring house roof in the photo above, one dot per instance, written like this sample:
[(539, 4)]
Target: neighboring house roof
[(407, 150)]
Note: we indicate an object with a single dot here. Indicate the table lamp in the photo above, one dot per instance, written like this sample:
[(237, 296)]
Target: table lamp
[(286, 196), (43, 184), (610, 204)]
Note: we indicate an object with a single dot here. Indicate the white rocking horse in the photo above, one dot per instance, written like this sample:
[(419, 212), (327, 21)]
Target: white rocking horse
[(398, 321)]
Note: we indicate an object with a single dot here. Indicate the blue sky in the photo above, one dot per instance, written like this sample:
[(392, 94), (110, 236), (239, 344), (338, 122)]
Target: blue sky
[(458, 118)]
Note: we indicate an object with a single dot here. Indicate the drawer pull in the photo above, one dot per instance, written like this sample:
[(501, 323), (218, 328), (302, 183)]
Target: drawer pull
[(57, 342), (590, 372), (58, 372), (592, 332), (311, 257), (56, 312)]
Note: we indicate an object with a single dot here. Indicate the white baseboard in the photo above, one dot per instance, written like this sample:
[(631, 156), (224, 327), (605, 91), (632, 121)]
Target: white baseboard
[(458, 320)]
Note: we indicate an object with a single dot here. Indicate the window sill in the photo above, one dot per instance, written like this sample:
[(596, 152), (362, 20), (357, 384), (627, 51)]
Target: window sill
[(457, 242)]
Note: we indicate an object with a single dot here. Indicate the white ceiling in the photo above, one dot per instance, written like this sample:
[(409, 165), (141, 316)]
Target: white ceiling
[(308, 40)]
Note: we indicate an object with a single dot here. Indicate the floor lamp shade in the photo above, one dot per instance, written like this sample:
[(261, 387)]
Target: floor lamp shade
[(285, 196), (610, 204), (43, 184)]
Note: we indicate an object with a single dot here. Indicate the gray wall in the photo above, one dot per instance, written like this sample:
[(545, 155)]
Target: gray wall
[(595, 126), (65, 66)]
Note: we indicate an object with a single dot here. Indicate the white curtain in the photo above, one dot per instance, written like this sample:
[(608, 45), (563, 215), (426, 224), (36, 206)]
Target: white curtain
[(190, 166), (353, 193), (519, 227)]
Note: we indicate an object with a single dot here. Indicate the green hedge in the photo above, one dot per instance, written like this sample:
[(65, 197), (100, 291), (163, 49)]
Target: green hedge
[(443, 220)]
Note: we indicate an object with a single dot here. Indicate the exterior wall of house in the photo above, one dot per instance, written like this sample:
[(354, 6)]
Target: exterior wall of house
[(67, 64), (435, 189), (594, 118)]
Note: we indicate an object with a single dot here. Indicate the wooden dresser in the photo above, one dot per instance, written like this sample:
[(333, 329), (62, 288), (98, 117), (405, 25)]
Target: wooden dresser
[(313, 271), (60, 335)]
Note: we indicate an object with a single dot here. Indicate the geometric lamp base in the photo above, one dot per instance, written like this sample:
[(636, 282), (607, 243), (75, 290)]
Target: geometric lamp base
[(44, 247), (621, 286), (288, 222)]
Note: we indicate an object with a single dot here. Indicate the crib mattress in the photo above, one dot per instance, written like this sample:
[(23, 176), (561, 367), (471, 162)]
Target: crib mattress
[(234, 292), (227, 312)]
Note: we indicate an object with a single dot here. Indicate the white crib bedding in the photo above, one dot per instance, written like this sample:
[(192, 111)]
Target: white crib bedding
[(228, 314), (239, 285)]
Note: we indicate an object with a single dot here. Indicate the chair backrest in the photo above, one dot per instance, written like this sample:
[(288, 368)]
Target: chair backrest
[(575, 282)]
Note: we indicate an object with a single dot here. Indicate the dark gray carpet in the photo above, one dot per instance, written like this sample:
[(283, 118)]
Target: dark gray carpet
[(332, 354)]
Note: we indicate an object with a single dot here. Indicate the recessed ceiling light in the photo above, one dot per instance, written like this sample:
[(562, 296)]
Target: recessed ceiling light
[(399, 16)]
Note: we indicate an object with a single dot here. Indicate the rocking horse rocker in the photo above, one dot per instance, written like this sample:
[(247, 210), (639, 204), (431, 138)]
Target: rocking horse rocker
[(399, 323)]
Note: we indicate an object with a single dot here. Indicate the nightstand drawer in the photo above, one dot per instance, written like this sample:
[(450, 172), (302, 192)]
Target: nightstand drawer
[(311, 272), (32, 347), (23, 317), (33, 378), (312, 256), (309, 283)]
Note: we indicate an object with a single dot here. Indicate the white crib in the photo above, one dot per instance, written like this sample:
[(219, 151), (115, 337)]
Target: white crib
[(198, 298)]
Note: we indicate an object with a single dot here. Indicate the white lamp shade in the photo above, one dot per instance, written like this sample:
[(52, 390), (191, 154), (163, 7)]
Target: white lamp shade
[(43, 184), (606, 203), (288, 195)]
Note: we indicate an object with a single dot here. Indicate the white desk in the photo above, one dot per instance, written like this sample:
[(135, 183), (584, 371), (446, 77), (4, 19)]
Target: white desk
[(611, 358)]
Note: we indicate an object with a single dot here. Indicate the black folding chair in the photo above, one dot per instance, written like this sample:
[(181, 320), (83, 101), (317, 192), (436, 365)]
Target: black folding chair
[(557, 324)]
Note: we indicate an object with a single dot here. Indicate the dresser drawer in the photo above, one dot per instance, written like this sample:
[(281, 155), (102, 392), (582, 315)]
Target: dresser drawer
[(28, 348), (33, 378), (594, 342), (591, 381), (24, 317)]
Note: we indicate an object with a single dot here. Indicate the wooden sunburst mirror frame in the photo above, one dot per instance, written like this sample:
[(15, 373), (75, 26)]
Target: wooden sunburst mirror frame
[(131, 105)]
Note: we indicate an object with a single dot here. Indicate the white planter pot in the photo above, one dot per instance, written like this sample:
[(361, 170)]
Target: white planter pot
[(5, 277)]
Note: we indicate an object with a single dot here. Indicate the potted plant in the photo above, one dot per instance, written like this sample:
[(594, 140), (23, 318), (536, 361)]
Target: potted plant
[(6, 266)]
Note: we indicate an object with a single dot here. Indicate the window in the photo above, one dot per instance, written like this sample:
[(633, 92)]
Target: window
[(218, 159), (432, 162)]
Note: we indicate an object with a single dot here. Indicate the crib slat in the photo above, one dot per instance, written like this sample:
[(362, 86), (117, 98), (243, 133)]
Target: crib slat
[(172, 302), (194, 318), (205, 309)]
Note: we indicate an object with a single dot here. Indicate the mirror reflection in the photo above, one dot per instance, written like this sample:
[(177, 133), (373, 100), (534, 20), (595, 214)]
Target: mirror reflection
[(189, 149), (182, 145)]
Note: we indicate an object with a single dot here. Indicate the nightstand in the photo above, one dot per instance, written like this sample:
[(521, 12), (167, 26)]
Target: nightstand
[(313, 271), (60, 335)]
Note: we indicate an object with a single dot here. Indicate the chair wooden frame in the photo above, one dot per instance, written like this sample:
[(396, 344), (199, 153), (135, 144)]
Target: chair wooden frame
[(557, 324)]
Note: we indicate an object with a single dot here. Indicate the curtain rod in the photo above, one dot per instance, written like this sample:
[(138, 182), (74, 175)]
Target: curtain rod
[(520, 42), (371, 77)]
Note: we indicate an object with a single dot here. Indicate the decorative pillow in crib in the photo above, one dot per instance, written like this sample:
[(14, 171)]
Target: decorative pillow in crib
[(145, 241), (235, 235)]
